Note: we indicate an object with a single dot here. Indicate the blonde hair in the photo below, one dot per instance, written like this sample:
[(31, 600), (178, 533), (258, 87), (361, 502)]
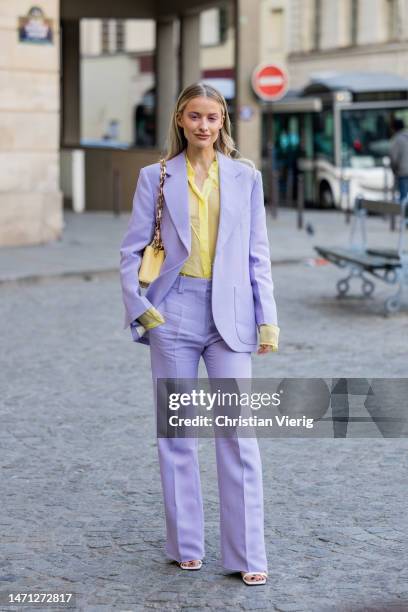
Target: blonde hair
[(177, 142)]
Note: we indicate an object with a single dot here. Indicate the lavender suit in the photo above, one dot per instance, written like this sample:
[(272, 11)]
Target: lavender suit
[(211, 318), (242, 280)]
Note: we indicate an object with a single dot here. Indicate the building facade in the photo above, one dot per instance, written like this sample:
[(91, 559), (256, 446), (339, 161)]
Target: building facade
[(30, 194), (55, 95), (346, 35), (118, 56)]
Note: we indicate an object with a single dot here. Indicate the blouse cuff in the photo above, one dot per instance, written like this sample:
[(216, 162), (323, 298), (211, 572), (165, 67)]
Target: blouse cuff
[(151, 318), (269, 334)]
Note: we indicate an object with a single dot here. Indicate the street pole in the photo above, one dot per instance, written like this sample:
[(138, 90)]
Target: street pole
[(300, 199), (273, 182), (117, 192), (289, 188)]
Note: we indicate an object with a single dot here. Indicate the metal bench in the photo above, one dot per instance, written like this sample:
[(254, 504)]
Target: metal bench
[(387, 265)]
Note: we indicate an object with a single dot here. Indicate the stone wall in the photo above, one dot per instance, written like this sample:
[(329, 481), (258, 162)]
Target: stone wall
[(30, 197)]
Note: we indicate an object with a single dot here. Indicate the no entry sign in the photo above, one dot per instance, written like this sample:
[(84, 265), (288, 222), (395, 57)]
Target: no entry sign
[(269, 82)]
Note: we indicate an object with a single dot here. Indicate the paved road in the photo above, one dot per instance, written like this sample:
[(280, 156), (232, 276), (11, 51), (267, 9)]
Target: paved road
[(80, 494)]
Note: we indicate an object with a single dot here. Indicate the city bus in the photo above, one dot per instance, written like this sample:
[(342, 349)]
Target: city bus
[(336, 131)]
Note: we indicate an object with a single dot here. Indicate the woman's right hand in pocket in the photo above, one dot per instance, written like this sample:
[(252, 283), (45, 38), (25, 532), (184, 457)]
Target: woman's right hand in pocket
[(151, 318)]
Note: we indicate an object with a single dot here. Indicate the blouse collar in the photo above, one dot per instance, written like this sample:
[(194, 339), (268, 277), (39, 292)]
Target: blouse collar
[(212, 172)]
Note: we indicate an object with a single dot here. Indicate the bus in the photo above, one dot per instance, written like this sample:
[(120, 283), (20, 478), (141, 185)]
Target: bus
[(336, 131)]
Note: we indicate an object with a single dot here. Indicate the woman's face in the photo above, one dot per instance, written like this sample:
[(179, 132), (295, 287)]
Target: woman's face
[(202, 120)]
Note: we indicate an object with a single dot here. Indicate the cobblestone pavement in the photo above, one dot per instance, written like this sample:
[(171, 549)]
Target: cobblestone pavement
[(90, 242), (81, 508)]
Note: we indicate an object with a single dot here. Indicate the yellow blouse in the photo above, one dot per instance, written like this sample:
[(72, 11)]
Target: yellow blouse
[(204, 209)]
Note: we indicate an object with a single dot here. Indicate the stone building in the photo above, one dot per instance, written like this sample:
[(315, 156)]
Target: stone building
[(40, 102), (347, 35), (47, 48)]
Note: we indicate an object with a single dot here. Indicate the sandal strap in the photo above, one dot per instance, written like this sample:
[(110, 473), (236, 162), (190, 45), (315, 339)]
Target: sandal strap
[(264, 574), (196, 563)]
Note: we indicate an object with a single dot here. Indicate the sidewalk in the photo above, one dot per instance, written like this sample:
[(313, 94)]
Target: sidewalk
[(91, 242)]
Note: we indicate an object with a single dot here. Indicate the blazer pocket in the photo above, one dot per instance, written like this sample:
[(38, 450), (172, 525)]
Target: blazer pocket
[(245, 315)]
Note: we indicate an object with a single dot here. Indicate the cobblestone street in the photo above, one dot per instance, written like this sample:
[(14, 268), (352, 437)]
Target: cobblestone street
[(81, 507), (235, 171)]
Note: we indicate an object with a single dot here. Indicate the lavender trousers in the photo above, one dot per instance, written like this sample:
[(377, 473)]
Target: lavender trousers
[(175, 350)]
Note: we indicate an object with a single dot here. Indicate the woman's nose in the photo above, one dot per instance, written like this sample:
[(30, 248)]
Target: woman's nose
[(204, 125)]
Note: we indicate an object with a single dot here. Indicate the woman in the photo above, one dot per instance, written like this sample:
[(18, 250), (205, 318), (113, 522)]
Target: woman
[(214, 289)]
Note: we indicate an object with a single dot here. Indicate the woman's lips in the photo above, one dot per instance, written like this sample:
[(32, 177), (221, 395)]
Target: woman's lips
[(203, 136)]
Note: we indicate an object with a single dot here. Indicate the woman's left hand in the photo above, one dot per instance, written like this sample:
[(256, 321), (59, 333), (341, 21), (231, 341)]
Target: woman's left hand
[(266, 348)]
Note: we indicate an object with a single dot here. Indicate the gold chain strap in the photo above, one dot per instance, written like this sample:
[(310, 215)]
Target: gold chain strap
[(157, 241)]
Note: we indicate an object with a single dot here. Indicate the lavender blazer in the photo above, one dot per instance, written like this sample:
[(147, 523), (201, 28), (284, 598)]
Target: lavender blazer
[(242, 287)]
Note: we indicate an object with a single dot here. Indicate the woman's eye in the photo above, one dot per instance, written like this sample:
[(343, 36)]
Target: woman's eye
[(194, 117)]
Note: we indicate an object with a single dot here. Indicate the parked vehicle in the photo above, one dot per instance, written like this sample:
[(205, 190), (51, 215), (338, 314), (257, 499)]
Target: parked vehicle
[(337, 131)]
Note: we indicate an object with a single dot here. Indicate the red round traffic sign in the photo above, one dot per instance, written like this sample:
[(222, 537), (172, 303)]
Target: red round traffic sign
[(269, 82)]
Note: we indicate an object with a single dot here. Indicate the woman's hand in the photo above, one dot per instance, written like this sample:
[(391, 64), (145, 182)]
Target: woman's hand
[(268, 338), (266, 348)]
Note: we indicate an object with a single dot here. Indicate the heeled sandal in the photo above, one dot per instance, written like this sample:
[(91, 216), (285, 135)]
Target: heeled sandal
[(245, 575), (198, 565)]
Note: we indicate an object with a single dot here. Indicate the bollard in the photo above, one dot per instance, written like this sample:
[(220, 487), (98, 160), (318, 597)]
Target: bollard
[(392, 217), (117, 192), (289, 188), (273, 182), (388, 189), (274, 193), (345, 188), (300, 200), (392, 223), (78, 180), (270, 173)]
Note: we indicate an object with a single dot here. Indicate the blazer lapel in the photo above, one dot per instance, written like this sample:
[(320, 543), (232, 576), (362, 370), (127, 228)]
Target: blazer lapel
[(231, 198), (175, 192)]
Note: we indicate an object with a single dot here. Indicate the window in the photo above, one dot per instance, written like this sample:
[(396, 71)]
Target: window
[(392, 19), (354, 22), (105, 36), (223, 23), (324, 135), (366, 135), (317, 32), (213, 26), (113, 35), (276, 29), (120, 35)]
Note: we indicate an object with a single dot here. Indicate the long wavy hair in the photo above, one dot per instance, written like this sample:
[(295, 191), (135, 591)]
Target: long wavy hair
[(177, 142)]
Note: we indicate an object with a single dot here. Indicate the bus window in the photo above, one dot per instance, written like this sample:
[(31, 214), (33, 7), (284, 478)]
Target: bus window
[(307, 144), (366, 135), (324, 135), (286, 139)]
